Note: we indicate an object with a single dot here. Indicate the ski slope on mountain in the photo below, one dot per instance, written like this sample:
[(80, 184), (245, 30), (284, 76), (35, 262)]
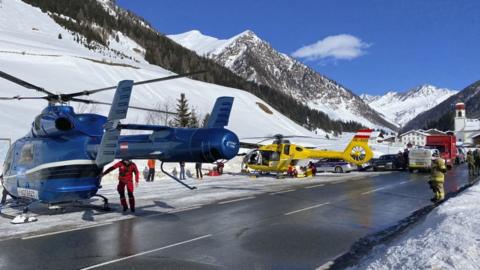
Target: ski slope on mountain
[(399, 108), (30, 49)]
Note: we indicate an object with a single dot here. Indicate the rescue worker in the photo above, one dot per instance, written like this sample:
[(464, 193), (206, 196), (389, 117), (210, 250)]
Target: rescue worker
[(151, 170), (182, 170), (438, 171), (406, 159), (313, 168), (126, 170), (476, 157), (292, 171), (198, 170), (220, 166), (471, 163)]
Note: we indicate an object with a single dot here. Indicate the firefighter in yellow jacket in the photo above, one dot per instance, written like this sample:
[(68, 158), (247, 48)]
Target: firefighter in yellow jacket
[(437, 178)]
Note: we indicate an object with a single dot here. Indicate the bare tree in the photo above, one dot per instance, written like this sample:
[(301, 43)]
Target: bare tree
[(156, 118)]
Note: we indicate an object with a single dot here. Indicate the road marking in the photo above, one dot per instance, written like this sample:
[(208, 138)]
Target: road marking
[(320, 185), (64, 231), (404, 182), (373, 190), (237, 200), (281, 192), (338, 182), (147, 252), (326, 265), (305, 209), (184, 209)]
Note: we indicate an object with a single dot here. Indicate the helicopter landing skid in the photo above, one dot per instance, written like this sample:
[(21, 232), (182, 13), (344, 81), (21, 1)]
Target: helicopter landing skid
[(106, 205), (176, 179)]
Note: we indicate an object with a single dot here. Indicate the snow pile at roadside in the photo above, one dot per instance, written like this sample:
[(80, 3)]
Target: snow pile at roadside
[(449, 238)]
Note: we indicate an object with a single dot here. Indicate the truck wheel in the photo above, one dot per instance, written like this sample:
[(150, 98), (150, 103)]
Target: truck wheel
[(410, 170)]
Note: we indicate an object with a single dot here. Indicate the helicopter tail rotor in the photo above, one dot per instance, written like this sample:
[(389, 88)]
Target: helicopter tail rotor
[(358, 152)]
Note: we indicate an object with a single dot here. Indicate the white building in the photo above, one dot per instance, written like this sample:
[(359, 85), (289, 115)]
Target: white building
[(467, 130), (414, 137)]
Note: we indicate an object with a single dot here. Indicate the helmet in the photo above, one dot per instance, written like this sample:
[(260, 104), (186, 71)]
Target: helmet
[(435, 154)]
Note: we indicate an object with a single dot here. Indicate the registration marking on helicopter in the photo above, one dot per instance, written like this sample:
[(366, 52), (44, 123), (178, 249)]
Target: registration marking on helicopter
[(306, 209), (237, 200)]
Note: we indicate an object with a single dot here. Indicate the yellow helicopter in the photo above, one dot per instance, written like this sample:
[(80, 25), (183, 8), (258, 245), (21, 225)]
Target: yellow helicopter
[(277, 157)]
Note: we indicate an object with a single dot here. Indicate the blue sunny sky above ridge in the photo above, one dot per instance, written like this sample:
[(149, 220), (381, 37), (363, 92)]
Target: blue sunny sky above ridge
[(371, 46)]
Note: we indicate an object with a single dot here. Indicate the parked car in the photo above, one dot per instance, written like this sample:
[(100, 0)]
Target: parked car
[(333, 165), (386, 162), (461, 155)]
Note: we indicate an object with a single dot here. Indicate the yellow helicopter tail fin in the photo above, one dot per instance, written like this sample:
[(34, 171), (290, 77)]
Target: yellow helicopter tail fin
[(358, 152)]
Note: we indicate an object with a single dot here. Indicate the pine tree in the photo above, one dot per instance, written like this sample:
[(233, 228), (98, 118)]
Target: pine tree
[(205, 120), (182, 118), (194, 122)]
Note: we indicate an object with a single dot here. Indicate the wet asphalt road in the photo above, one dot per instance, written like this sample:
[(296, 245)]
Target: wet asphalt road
[(299, 229)]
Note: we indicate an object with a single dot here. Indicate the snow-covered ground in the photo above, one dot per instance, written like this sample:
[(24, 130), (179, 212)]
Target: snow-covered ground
[(30, 49), (161, 196), (448, 238)]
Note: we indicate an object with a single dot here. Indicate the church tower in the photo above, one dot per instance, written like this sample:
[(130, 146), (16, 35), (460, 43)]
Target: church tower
[(460, 121)]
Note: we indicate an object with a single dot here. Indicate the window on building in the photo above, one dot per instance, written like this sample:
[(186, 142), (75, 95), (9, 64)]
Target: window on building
[(459, 113)]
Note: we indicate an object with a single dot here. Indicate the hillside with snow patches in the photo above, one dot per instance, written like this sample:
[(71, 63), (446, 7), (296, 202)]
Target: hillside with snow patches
[(31, 49), (256, 60), (401, 107)]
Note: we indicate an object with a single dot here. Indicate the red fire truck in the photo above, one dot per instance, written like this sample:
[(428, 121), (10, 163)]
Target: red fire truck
[(446, 144)]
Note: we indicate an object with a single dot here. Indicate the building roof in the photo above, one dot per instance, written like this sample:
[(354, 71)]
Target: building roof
[(434, 131), (420, 132)]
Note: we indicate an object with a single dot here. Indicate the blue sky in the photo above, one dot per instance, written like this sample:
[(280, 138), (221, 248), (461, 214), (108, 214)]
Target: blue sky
[(370, 46)]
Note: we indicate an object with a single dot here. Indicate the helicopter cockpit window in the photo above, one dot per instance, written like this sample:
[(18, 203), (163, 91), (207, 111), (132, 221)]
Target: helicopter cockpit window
[(26, 154), (8, 161), (286, 149), (36, 123)]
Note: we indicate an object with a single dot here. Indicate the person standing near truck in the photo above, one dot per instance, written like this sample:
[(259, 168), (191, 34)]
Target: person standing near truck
[(471, 163), (476, 157), (437, 177)]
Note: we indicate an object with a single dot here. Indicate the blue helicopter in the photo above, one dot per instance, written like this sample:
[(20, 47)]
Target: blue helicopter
[(62, 157)]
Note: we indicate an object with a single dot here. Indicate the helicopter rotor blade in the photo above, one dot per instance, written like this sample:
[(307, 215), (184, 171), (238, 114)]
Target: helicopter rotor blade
[(90, 92), (24, 83), (89, 101), (20, 98)]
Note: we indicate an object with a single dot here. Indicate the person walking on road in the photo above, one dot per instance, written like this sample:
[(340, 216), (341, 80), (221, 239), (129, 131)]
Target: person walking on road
[(476, 157), (438, 171), (151, 170), (471, 163), (182, 170), (126, 170), (198, 170)]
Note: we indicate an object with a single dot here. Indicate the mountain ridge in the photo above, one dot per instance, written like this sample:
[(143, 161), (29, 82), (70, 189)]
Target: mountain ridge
[(256, 60)]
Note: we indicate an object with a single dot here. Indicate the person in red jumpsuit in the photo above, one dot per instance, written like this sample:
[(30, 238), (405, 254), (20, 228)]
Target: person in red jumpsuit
[(125, 178)]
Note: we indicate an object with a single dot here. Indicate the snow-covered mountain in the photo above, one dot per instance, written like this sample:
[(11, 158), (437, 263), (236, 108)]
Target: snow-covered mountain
[(256, 60), (37, 49), (401, 107)]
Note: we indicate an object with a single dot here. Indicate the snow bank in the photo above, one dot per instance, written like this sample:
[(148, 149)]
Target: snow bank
[(448, 238)]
